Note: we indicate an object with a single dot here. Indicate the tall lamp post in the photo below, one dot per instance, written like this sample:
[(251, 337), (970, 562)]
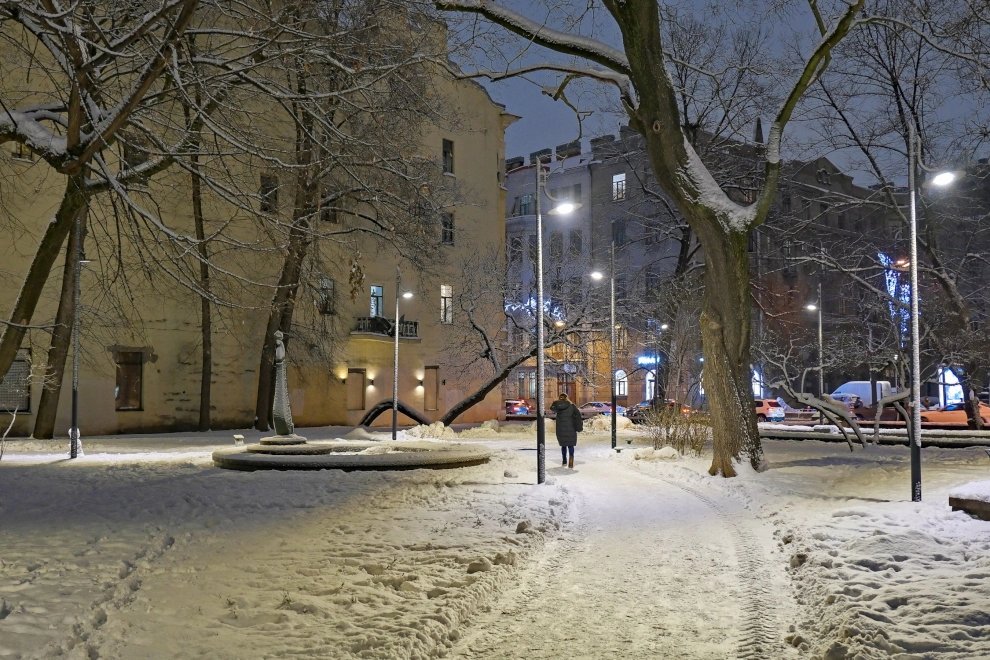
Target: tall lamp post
[(821, 347), (80, 256), (941, 179), (597, 275), (395, 354), (541, 424)]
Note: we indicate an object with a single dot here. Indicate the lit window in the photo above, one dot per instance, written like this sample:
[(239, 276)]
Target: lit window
[(618, 187), (377, 301), (446, 303), (621, 383), (448, 156)]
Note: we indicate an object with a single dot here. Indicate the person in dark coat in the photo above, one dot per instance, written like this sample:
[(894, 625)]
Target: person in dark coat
[(568, 423)]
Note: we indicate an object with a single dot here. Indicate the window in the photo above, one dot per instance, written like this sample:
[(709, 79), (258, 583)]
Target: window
[(355, 389), (823, 213), (618, 187), (619, 232), (21, 152), (575, 245), (15, 390), (842, 220), (448, 156), (127, 396), (526, 206), (515, 249), (446, 303), (327, 211), (566, 194), (521, 385), (377, 300), (556, 246), (621, 383), (269, 193), (534, 248), (447, 228), (786, 204), (325, 298), (621, 339)]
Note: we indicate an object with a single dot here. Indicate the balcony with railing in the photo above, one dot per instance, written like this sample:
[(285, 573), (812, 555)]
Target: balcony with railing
[(382, 327)]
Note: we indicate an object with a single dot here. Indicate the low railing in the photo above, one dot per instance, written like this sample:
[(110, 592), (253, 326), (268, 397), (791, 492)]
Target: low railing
[(379, 325)]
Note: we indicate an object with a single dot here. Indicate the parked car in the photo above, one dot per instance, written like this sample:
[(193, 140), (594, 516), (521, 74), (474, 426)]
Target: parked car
[(954, 413), (768, 410), (516, 407), (593, 408), (637, 414)]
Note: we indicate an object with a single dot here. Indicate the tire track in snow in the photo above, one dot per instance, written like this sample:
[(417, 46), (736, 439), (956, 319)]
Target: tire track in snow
[(760, 637)]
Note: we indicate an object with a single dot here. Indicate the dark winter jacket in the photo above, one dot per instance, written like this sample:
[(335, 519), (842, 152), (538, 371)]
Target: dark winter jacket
[(568, 422)]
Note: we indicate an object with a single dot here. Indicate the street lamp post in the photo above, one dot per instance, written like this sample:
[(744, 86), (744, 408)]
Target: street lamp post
[(395, 354), (821, 349), (541, 424), (611, 351), (915, 333), (75, 443), (941, 179)]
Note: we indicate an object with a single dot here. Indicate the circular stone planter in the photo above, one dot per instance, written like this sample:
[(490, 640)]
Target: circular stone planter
[(351, 456)]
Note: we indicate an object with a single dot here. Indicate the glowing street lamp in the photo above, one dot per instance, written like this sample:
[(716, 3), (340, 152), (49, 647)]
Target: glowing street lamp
[(811, 307), (395, 354), (541, 424), (597, 276), (941, 179)]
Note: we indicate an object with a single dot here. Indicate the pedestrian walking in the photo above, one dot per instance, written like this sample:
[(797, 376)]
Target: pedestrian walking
[(568, 423)]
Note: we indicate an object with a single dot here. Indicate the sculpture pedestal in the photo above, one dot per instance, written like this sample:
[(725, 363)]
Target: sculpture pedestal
[(292, 439)]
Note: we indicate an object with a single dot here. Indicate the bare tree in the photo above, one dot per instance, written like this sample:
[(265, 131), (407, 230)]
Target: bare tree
[(641, 72)]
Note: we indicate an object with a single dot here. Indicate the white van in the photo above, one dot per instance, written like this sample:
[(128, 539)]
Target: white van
[(861, 388)]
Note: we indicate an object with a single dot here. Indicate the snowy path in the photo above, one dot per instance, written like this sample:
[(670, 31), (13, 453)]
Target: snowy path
[(652, 569)]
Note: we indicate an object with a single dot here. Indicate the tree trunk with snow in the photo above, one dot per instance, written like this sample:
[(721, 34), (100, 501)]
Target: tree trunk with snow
[(58, 351), (639, 70), (73, 204)]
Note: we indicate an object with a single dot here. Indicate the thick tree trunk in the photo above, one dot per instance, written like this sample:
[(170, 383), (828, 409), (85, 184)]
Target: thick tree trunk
[(279, 318), (725, 329), (73, 203), (58, 351), (206, 320)]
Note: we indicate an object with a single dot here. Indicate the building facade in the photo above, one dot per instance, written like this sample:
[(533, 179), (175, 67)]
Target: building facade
[(141, 333)]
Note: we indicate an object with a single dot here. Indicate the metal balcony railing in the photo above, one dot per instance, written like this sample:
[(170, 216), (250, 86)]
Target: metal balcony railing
[(379, 325)]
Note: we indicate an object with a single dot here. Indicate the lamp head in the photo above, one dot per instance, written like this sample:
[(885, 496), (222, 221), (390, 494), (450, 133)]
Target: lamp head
[(407, 294), (943, 178), (811, 307), (597, 275), (664, 326), (565, 208)]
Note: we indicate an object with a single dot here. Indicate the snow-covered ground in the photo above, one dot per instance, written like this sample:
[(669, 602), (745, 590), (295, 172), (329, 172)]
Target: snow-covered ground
[(142, 549)]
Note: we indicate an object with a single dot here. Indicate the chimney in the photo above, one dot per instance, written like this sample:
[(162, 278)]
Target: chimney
[(758, 134), (543, 155), (568, 149)]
